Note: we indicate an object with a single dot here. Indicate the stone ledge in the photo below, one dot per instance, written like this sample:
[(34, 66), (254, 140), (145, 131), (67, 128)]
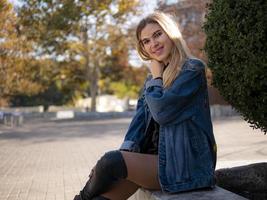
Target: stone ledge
[(216, 194)]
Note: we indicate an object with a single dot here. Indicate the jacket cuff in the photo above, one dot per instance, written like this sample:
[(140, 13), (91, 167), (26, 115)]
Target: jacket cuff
[(129, 145), (154, 82)]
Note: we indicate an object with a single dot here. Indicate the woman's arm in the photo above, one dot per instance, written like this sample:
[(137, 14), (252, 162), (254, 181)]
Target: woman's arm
[(166, 105)]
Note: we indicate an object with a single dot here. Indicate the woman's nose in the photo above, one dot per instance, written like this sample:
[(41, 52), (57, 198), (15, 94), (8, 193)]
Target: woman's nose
[(154, 43)]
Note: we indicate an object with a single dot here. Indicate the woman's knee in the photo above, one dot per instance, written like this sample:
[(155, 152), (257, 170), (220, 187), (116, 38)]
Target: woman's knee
[(109, 169), (113, 164)]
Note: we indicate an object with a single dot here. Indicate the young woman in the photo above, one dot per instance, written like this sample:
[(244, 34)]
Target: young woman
[(169, 145)]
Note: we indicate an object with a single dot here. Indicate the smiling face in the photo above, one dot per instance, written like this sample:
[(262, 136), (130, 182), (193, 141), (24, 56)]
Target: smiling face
[(156, 42)]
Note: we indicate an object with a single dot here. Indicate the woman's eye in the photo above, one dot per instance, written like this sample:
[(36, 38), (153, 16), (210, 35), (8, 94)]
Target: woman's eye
[(158, 34), (145, 42)]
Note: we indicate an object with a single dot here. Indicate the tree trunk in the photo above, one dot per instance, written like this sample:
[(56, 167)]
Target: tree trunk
[(94, 88), (91, 70)]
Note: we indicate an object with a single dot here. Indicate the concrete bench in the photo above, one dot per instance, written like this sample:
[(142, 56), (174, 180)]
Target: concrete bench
[(215, 194)]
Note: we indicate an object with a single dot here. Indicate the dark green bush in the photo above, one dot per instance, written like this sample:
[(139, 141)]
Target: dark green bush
[(236, 48)]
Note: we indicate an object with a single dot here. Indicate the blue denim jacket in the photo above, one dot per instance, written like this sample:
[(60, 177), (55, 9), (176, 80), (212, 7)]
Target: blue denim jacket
[(187, 148)]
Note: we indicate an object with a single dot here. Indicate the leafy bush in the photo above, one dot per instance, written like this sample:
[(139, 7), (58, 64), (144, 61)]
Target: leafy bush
[(237, 55)]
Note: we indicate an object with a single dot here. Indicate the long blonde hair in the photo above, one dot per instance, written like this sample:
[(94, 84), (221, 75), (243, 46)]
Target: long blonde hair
[(179, 53)]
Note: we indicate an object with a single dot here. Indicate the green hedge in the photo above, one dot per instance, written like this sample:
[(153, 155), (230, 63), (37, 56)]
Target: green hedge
[(236, 48)]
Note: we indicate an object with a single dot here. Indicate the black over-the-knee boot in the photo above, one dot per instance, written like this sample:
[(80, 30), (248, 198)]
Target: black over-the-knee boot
[(78, 197), (110, 168)]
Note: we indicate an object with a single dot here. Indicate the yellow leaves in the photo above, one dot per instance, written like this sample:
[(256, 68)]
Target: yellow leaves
[(125, 5), (122, 90), (94, 6), (14, 80), (5, 6), (32, 88), (8, 19), (101, 84)]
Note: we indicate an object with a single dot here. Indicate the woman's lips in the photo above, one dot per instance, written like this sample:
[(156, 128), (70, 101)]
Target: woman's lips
[(159, 51)]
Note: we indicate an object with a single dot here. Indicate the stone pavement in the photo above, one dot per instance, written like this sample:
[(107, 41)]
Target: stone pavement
[(52, 160)]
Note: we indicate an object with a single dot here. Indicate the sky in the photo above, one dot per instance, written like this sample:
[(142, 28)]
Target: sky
[(15, 2)]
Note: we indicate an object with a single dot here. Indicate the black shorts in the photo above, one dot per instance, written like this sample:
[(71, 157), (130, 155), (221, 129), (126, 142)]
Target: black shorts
[(150, 143)]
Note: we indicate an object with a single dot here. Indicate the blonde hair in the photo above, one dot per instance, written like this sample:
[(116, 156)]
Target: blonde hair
[(179, 53)]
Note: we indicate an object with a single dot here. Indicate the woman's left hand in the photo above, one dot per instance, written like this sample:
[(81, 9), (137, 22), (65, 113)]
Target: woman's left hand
[(156, 68)]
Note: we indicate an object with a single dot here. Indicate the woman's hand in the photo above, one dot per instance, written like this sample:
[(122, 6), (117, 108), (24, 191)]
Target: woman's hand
[(156, 68)]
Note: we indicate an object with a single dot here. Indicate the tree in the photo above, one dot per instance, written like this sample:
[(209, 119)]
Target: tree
[(237, 55), (16, 66), (77, 31), (117, 75)]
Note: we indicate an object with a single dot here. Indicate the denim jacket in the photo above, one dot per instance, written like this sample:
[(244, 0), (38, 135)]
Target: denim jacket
[(187, 148)]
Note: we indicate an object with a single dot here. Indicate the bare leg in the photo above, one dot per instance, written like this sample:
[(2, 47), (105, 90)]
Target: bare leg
[(142, 172), (142, 169), (122, 190)]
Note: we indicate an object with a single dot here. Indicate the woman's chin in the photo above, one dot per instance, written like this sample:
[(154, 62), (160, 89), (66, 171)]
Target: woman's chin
[(159, 59), (162, 59)]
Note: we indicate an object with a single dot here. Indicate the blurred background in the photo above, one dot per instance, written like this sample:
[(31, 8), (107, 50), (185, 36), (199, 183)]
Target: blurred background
[(69, 68), (80, 55)]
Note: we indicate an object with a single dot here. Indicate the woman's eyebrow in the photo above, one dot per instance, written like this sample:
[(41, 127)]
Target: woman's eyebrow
[(152, 34)]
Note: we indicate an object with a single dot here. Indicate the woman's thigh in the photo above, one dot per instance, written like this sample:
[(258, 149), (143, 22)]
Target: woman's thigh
[(142, 169)]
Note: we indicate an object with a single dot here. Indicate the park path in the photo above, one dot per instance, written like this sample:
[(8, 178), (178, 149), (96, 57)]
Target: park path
[(52, 160)]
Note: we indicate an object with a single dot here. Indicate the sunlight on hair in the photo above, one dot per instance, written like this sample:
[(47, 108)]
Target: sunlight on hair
[(168, 23)]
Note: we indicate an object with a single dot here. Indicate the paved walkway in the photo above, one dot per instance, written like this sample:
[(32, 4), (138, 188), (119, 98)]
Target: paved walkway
[(51, 160)]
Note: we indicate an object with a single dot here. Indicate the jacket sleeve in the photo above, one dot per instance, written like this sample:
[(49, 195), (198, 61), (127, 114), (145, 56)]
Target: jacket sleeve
[(135, 133), (166, 105)]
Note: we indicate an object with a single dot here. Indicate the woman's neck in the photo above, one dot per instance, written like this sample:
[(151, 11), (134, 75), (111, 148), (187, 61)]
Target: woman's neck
[(165, 66)]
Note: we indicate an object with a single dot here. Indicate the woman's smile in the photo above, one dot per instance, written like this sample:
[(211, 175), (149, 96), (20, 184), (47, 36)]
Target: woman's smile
[(156, 42), (159, 51)]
